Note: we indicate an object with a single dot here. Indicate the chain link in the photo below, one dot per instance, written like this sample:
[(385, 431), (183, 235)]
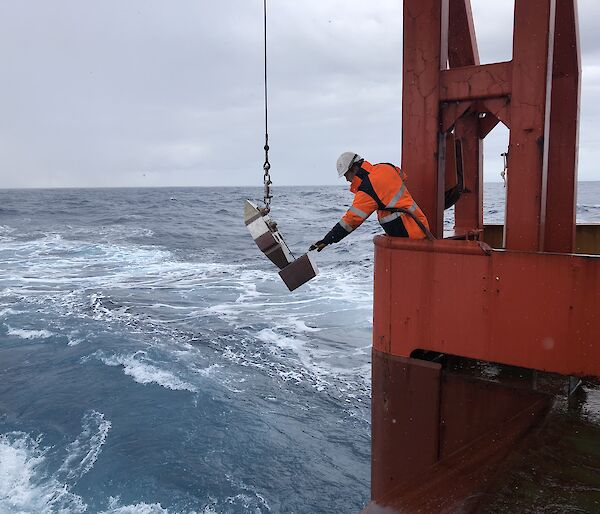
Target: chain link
[(267, 176)]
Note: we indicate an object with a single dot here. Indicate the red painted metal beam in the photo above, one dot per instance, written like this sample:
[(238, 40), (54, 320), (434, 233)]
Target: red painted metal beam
[(463, 51), (487, 124), (530, 104), (499, 107), (497, 110), (424, 54), (462, 41), (533, 310), (451, 178), (451, 112), (561, 187), (468, 212), (473, 82)]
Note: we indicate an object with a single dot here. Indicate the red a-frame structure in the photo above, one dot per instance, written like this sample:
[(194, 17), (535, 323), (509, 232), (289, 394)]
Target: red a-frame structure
[(532, 303)]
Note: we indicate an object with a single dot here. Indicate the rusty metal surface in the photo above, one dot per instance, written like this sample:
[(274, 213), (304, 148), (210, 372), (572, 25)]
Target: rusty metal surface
[(534, 310), (424, 458)]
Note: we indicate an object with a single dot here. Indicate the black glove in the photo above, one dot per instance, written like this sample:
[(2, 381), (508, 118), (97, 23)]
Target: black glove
[(318, 246)]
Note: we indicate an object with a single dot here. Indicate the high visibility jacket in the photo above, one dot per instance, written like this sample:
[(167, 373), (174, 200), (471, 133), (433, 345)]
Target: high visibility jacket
[(377, 187)]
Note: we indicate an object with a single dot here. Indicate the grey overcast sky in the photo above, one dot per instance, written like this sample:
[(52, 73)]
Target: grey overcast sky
[(169, 93)]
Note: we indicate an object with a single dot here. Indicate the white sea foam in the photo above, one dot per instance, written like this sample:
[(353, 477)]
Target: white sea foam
[(114, 507), (251, 499), (138, 508), (52, 260), (84, 451), (142, 371), (28, 334), (167, 306), (349, 289), (98, 305), (28, 486), (299, 325), (123, 232), (333, 290), (249, 293), (209, 370), (26, 483), (307, 356)]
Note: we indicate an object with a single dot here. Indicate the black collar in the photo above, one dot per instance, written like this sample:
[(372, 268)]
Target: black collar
[(362, 173)]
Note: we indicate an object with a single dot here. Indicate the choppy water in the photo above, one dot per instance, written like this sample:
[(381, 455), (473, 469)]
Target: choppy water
[(152, 361)]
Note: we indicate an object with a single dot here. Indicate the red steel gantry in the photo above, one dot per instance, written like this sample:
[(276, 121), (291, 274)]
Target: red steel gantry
[(533, 303)]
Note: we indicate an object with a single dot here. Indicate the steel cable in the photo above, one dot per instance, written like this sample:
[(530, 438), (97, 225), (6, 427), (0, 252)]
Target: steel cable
[(268, 195)]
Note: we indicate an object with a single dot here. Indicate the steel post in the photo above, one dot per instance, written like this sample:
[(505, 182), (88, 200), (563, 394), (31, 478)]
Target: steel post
[(561, 199), (530, 118)]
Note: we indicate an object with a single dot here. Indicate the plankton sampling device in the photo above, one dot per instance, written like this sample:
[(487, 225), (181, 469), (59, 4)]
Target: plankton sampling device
[(294, 272)]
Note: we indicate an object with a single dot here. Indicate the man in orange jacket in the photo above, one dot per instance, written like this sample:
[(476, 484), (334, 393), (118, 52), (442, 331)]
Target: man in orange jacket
[(381, 188)]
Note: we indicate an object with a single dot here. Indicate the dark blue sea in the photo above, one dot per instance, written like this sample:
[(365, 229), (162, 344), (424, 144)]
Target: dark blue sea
[(152, 361)]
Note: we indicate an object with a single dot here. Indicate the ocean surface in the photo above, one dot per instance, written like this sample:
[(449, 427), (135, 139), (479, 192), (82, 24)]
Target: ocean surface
[(152, 361)]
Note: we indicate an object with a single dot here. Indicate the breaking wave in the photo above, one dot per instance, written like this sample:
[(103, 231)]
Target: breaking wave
[(26, 482), (138, 367)]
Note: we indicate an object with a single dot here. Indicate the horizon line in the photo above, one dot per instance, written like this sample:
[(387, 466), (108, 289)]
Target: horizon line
[(33, 188)]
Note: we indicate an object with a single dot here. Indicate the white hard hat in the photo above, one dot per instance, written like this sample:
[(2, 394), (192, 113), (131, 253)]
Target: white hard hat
[(345, 161)]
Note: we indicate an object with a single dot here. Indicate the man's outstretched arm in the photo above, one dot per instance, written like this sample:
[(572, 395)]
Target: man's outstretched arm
[(362, 207)]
